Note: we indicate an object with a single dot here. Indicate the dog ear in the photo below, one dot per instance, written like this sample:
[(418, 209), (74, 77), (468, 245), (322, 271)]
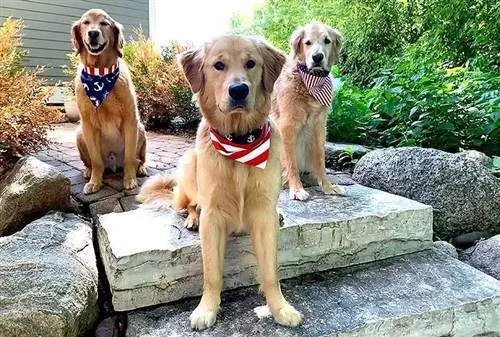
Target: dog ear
[(191, 62), (119, 38), (337, 42), (274, 60), (296, 41), (76, 37)]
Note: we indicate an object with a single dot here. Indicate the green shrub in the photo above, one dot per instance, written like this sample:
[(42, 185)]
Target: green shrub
[(424, 104)]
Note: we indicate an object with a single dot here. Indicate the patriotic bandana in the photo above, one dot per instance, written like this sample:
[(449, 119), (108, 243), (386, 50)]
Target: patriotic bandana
[(318, 84), (250, 149), (98, 82)]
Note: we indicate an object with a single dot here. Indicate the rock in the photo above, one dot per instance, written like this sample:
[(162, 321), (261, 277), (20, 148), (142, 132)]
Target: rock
[(467, 240), (446, 248), (418, 295), (485, 256), (477, 156), (150, 258), (334, 154), (48, 279), (465, 196), (28, 191), (114, 326)]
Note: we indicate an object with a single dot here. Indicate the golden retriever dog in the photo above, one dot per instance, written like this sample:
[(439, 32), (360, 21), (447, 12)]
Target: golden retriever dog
[(233, 173), (110, 134), (300, 101)]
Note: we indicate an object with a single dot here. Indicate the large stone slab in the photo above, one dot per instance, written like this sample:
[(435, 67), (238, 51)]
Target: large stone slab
[(150, 258), (425, 294), (48, 279)]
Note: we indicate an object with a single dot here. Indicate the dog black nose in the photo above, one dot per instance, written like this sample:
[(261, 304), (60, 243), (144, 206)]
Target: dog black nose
[(318, 57), (238, 91), (93, 34)]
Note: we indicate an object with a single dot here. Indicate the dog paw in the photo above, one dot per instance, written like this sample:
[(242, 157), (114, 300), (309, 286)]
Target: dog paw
[(191, 223), (129, 183), (298, 194), (142, 170), (87, 173), (202, 318), (91, 187), (287, 316), (332, 189)]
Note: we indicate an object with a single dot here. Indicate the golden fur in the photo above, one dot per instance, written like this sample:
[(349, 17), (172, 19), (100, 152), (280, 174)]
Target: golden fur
[(110, 136), (232, 197), (301, 120)]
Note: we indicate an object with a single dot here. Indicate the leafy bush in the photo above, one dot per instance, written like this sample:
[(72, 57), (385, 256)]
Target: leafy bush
[(24, 117), (424, 104), (162, 92)]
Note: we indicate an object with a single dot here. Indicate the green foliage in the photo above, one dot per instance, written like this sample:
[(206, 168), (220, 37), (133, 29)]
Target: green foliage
[(414, 72), (424, 104)]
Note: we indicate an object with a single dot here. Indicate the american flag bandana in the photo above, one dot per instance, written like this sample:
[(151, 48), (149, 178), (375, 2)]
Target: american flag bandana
[(318, 84), (250, 149), (98, 82)]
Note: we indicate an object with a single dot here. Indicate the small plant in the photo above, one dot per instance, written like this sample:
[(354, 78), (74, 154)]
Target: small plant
[(162, 92), (24, 117), (496, 166)]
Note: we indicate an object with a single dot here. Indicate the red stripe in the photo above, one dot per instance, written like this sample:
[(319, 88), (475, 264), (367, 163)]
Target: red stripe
[(259, 159)]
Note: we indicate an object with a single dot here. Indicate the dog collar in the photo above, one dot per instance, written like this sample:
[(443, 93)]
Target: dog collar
[(318, 83), (98, 82), (250, 149)]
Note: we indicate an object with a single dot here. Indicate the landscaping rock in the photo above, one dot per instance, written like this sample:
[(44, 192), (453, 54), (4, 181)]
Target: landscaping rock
[(485, 256), (446, 248), (48, 279), (29, 190), (334, 152), (417, 295), (465, 196), (467, 240), (477, 156), (150, 258)]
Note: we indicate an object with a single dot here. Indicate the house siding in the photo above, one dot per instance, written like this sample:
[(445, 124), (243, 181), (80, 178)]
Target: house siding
[(47, 27)]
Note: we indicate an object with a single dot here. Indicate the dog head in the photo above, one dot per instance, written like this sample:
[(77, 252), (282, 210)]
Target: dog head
[(233, 77), (316, 45), (96, 32)]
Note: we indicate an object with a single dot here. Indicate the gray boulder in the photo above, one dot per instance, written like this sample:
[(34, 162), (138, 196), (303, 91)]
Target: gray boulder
[(28, 191), (464, 194), (48, 279), (446, 248), (336, 154), (477, 156), (485, 256)]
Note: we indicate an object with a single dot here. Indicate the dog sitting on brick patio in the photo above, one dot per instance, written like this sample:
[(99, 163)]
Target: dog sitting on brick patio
[(233, 174), (110, 134)]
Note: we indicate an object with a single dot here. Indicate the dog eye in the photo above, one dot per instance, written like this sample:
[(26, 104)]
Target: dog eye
[(86, 22), (104, 23), (308, 42), (250, 64), (219, 66), (327, 41)]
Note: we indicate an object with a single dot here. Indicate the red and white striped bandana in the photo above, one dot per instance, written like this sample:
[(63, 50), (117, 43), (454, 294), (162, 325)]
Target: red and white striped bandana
[(318, 84), (250, 149)]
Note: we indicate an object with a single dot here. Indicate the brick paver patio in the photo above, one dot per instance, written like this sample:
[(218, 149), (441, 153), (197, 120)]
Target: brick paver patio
[(162, 156)]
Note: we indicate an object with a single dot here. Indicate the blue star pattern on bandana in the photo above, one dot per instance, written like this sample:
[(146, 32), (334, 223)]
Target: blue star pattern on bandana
[(98, 82)]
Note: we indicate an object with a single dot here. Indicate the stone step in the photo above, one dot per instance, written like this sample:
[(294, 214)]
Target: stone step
[(150, 258), (424, 294)]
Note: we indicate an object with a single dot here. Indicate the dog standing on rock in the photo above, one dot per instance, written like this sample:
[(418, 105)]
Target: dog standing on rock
[(110, 134), (301, 98)]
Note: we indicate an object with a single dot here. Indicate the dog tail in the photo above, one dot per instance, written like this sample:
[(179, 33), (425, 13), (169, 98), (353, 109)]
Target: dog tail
[(157, 192)]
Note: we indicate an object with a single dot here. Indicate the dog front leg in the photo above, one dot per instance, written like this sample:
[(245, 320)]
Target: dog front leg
[(289, 134), (130, 135), (213, 242), (317, 159), (92, 140), (264, 232)]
